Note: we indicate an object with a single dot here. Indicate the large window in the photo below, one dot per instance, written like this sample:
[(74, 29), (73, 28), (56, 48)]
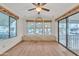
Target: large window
[(4, 26), (39, 28), (47, 28), (69, 33), (7, 26)]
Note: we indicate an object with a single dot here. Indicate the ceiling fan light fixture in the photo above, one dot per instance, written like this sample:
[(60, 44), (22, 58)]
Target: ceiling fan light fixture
[(38, 9)]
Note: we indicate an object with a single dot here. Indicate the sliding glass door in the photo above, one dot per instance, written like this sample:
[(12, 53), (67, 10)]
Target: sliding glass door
[(69, 33), (62, 32), (73, 33)]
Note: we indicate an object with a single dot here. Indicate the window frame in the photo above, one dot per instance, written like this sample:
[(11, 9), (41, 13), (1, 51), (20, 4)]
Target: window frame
[(10, 29)]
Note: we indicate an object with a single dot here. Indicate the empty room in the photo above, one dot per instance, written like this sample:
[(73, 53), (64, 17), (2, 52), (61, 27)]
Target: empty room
[(39, 29)]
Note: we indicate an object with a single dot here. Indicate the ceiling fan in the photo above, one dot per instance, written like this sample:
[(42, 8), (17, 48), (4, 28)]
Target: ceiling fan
[(39, 7)]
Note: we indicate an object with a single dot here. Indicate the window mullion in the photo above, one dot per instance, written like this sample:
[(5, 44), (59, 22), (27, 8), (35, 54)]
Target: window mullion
[(66, 32), (9, 26)]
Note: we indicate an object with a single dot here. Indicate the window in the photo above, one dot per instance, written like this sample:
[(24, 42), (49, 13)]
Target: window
[(12, 27), (30, 27), (39, 28), (4, 26), (7, 26), (47, 28)]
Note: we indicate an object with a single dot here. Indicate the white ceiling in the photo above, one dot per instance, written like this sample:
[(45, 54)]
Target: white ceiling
[(56, 9)]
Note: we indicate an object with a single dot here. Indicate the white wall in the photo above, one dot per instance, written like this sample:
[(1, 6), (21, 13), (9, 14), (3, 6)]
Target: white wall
[(55, 29), (9, 43)]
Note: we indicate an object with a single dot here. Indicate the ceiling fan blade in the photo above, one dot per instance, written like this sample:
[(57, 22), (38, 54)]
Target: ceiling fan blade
[(31, 9), (42, 4), (45, 9), (34, 4), (38, 12), (38, 4)]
